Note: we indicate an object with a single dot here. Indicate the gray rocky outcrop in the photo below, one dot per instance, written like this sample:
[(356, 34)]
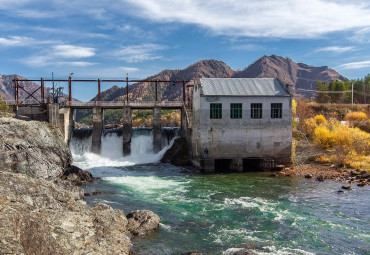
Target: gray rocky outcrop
[(142, 222), (50, 217), (77, 176), (33, 148)]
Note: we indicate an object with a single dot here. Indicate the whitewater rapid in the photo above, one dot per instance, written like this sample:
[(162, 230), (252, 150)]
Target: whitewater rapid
[(111, 154)]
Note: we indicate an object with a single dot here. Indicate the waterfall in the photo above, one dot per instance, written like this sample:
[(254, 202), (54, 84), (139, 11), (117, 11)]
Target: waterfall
[(111, 153), (80, 140)]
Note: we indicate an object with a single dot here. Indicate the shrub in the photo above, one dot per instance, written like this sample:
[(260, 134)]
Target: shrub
[(320, 119), (308, 126), (323, 159), (356, 117), (323, 137), (294, 108), (4, 107)]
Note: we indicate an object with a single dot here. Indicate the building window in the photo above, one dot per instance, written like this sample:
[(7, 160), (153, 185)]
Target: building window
[(276, 111), (216, 111), (236, 111), (256, 111)]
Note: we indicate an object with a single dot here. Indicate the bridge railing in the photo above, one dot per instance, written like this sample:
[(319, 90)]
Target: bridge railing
[(139, 104)]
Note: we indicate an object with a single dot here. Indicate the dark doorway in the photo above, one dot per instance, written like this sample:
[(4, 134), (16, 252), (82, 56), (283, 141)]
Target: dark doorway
[(252, 164), (223, 165)]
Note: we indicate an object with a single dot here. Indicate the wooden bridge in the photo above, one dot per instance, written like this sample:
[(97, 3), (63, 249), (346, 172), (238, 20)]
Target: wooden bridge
[(63, 113)]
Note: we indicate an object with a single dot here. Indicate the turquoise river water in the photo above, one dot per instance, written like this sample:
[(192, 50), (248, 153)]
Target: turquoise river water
[(216, 213)]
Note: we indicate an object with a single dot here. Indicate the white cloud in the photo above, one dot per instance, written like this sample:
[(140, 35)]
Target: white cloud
[(335, 49), (264, 18), (355, 65), (15, 41), (59, 55), (139, 53), (21, 41), (71, 51)]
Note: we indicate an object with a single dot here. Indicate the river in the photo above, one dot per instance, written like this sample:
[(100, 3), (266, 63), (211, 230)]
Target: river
[(219, 213)]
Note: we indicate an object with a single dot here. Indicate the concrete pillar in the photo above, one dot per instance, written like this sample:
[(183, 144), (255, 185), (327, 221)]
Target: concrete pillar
[(98, 114), (157, 130), (53, 113), (67, 122), (237, 164), (184, 126), (127, 130)]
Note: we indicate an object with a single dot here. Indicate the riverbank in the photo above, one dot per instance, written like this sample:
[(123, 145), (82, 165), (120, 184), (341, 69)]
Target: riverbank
[(305, 165), (42, 214)]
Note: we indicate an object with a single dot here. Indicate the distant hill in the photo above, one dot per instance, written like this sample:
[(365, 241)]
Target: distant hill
[(146, 91), (7, 91), (300, 75)]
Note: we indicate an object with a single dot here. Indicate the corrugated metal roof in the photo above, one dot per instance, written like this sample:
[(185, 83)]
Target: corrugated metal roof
[(243, 87)]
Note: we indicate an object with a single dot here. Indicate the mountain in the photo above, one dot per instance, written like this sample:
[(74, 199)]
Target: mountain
[(300, 75), (146, 91), (7, 91)]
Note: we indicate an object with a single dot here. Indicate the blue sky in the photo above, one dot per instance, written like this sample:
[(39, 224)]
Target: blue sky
[(108, 39)]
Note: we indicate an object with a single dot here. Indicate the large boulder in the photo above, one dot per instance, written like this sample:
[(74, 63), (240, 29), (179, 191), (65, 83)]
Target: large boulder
[(77, 176), (142, 222), (178, 154), (33, 148), (50, 217)]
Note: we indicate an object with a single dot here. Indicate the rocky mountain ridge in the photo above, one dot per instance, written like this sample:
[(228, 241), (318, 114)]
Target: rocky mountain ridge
[(300, 75)]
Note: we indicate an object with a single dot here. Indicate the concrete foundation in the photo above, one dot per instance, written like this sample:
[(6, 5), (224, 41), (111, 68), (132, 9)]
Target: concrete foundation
[(98, 114), (127, 130), (53, 112), (67, 119), (33, 112), (157, 130)]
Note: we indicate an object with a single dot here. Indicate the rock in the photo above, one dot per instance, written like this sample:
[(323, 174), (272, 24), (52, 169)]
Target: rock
[(279, 167), (320, 178), (178, 154), (142, 222), (340, 191), (365, 175), (353, 173), (247, 245), (77, 176), (192, 253), (347, 186), (240, 251), (308, 176), (50, 217), (89, 194), (33, 148), (362, 184)]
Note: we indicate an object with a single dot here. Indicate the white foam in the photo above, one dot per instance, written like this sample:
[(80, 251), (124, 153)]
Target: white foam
[(145, 184), (284, 251), (141, 153), (232, 251)]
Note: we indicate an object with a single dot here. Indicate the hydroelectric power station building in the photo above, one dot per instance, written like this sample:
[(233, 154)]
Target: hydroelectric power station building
[(241, 124)]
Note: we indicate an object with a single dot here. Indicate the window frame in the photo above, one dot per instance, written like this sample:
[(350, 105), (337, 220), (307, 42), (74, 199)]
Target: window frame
[(236, 110), (256, 110), (215, 110), (276, 110)]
